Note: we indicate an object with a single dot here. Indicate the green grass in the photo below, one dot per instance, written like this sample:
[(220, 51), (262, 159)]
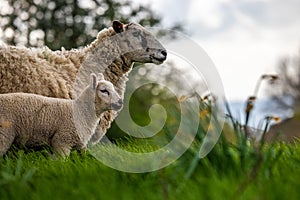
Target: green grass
[(224, 174)]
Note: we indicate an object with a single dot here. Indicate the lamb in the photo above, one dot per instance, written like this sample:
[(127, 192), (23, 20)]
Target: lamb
[(30, 120), (62, 74)]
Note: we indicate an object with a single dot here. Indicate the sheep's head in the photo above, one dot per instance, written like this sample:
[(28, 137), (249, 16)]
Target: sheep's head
[(139, 44), (106, 97)]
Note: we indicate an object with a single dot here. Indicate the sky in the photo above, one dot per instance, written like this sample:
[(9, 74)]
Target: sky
[(244, 38)]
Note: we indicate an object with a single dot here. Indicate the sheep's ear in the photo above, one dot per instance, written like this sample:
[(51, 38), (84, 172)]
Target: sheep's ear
[(100, 77), (118, 26), (93, 80)]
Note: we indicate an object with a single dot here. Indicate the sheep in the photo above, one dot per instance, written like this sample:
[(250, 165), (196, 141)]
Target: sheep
[(62, 74), (30, 120)]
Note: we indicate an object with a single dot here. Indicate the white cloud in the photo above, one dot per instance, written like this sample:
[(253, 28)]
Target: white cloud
[(172, 11), (244, 38), (242, 56), (206, 13)]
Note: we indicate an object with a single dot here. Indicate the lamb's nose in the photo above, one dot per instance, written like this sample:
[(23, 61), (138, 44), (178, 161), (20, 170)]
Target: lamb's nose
[(164, 53), (120, 102)]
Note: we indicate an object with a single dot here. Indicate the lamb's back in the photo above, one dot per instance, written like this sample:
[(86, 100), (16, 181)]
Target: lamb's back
[(34, 118)]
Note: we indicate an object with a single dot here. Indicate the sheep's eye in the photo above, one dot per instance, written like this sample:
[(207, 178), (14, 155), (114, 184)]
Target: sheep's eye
[(105, 91)]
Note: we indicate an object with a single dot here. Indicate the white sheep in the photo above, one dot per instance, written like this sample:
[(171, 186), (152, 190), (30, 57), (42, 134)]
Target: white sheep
[(30, 120), (63, 74)]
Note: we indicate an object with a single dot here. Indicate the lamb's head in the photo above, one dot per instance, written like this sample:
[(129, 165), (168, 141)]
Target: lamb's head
[(106, 97), (139, 44)]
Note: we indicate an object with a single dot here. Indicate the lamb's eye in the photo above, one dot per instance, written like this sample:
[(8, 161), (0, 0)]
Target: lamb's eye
[(105, 91)]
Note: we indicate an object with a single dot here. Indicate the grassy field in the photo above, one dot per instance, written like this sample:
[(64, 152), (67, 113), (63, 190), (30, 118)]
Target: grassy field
[(230, 171)]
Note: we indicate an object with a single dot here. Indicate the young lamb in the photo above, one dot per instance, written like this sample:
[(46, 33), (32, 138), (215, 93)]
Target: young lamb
[(30, 120), (62, 74)]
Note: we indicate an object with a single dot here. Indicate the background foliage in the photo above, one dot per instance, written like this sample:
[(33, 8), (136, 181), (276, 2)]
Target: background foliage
[(70, 23)]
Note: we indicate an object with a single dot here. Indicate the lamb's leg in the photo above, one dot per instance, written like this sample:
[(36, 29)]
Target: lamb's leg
[(104, 124), (7, 136), (60, 145), (98, 135)]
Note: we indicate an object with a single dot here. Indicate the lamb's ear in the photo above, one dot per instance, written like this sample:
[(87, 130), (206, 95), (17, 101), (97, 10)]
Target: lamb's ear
[(118, 26), (100, 77), (93, 80)]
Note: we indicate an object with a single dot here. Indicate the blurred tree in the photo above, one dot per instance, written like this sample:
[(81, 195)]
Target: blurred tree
[(288, 86), (67, 23)]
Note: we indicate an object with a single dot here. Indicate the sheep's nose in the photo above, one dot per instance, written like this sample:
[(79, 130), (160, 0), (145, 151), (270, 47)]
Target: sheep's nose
[(164, 53)]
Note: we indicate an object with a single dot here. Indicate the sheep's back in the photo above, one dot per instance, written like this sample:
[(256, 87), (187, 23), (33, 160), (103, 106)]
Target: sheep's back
[(45, 72)]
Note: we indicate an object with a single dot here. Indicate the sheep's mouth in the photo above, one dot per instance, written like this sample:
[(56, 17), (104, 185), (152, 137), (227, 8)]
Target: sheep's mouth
[(157, 60)]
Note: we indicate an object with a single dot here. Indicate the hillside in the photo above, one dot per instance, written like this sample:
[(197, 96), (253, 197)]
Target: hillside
[(288, 130)]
